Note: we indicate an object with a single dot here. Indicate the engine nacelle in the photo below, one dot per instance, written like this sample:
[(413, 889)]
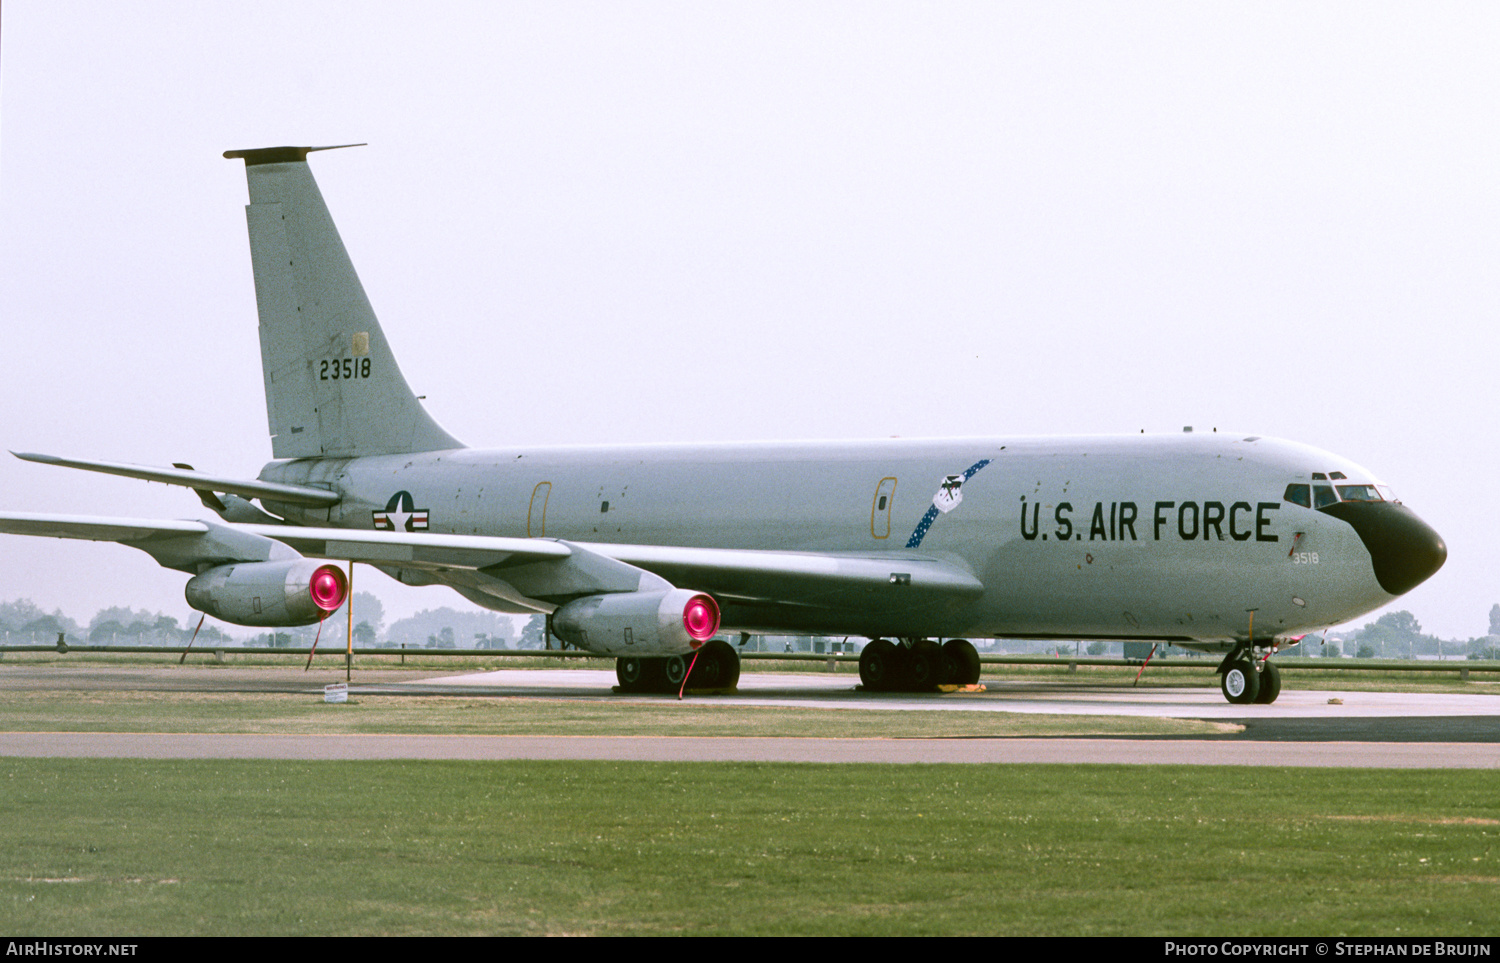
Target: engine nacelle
[(638, 623), (291, 592)]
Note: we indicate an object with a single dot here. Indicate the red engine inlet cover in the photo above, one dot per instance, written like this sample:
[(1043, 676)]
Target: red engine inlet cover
[(701, 618), (328, 587)]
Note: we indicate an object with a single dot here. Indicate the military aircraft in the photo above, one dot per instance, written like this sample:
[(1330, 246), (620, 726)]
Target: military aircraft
[(1224, 542)]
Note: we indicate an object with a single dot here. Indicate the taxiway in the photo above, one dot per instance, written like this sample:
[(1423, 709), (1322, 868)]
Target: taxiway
[(1303, 728)]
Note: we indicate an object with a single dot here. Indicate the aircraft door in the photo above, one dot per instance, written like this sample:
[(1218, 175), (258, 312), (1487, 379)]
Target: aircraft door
[(880, 508), (536, 514)]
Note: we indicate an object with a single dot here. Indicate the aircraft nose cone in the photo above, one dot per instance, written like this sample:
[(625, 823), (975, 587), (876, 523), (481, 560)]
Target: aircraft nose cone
[(1404, 549)]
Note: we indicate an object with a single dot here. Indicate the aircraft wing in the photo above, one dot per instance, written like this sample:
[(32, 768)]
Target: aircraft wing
[(770, 574), (425, 550), (124, 530), (398, 548), (834, 592), (809, 579), (182, 544), (759, 590), (186, 544)]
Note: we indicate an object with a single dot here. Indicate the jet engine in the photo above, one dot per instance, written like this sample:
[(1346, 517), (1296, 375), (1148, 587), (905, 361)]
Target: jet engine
[(289, 592), (638, 623)]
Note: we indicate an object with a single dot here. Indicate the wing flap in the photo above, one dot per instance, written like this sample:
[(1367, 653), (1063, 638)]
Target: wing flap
[(825, 592), (428, 550), (920, 572)]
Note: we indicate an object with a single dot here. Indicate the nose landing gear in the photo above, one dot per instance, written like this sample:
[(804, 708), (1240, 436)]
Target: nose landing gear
[(1247, 676)]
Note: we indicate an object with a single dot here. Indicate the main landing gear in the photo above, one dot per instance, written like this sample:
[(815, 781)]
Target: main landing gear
[(917, 665), (1247, 676), (717, 667)]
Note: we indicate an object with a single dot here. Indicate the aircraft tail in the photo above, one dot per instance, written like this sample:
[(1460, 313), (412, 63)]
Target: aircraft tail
[(332, 385)]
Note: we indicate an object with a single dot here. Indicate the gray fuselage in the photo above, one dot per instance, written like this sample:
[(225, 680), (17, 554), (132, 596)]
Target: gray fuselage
[(1174, 537)]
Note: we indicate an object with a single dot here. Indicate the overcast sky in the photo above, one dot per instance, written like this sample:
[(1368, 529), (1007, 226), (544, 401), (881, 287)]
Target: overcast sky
[(712, 221)]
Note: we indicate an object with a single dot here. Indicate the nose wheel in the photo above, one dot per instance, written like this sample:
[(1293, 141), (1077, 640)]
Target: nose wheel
[(1270, 683), (1248, 677), (1240, 683)]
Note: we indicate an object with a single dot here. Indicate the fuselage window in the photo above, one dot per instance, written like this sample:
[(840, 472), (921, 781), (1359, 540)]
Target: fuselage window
[(1323, 496), (1299, 495), (1359, 493)]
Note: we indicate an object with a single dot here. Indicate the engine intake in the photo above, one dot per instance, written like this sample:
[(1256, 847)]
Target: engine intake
[(293, 592), (638, 623)]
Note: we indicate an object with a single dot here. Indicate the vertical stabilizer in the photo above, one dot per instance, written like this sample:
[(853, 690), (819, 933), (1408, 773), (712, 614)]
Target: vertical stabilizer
[(332, 385)]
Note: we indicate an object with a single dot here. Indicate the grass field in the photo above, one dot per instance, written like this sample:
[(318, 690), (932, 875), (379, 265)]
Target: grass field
[(142, 847), (116, 847), (305, 713)]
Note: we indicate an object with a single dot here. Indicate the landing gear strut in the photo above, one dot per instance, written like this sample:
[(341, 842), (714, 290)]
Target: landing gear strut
[(918, 665)]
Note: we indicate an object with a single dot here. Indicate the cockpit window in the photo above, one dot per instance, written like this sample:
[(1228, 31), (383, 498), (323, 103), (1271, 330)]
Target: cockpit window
[(1325, 494), (1337, 476)]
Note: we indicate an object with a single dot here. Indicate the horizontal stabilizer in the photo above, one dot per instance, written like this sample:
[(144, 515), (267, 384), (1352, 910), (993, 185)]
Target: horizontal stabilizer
[(270, 491), (279, 155)]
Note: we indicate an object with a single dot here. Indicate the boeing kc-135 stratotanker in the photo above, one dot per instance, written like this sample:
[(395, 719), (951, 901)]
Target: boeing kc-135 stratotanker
[(1228, 543)]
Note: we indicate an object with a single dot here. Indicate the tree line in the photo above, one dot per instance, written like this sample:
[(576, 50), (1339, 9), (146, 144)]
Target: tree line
[(1398, 635), (1395, 635), (23, 622)]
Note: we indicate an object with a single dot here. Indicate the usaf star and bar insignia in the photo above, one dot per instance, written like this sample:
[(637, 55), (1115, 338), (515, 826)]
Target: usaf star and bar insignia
[(400, 515)]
